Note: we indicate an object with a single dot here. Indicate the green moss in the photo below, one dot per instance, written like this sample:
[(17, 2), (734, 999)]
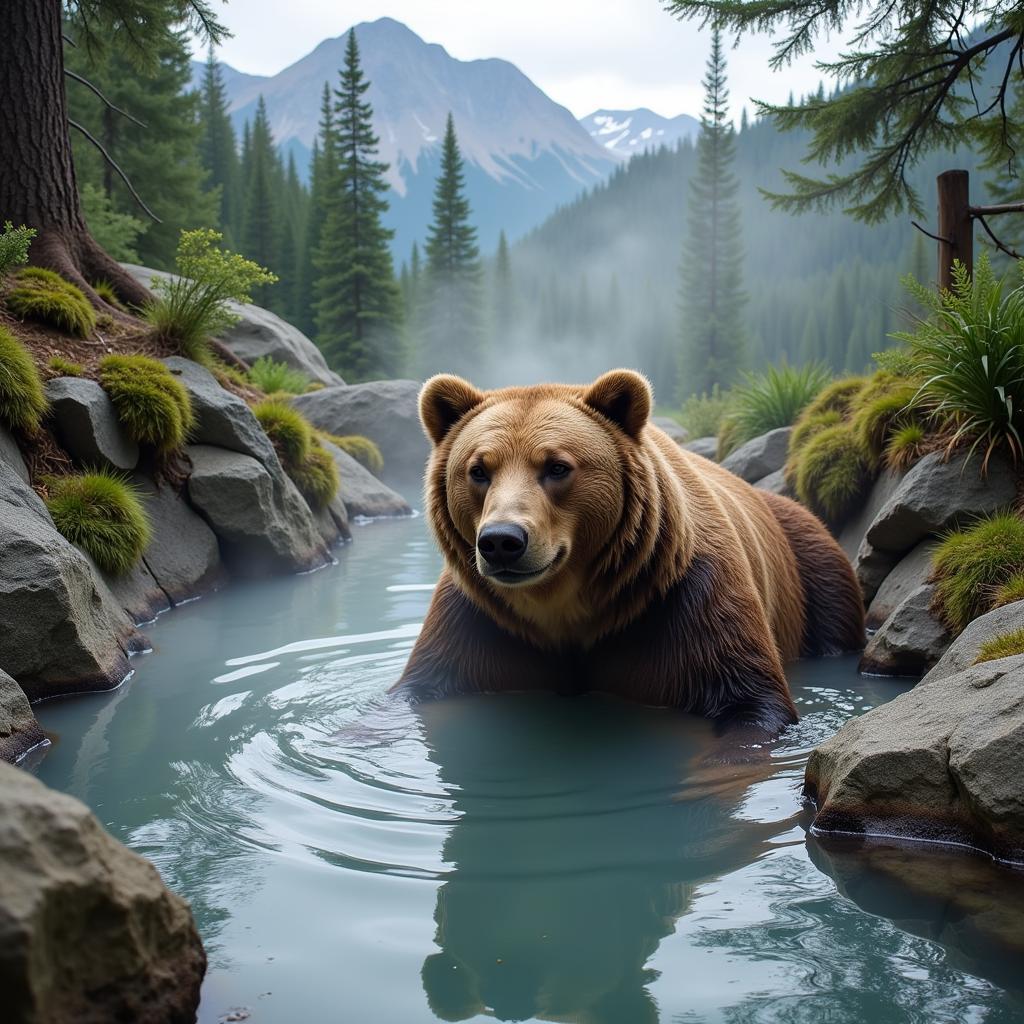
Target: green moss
[(102, 514), (970, 566), (832, 473), (288, 429), (42, 295), (875, 420), (105, 290), (1003, 645), (22, 400), (905, 446), (152, 404), (362, 449), (1010, 592), (837, 396), (316, 476), (65, 368), (808, 427)]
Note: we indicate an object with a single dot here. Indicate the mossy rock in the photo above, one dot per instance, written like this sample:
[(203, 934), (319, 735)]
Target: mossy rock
[(22, 399), (153, 406), (44, 296), (832, 473), (289, 431), (101, 513)]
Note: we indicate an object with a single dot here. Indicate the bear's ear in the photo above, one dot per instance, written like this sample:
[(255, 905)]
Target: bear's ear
[(624, 396), (444, 400)]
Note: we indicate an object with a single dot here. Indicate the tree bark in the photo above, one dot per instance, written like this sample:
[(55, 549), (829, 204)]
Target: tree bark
[(37, 175), (956, 229)]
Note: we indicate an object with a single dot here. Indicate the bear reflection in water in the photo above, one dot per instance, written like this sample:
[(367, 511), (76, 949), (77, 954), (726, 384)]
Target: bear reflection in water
[(578, 846)]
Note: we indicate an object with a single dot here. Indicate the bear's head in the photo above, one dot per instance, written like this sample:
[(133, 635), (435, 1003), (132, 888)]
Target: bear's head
[(528, 488)]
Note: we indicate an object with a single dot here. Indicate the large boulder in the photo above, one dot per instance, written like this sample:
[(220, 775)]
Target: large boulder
[(939, 762), (385, 411), (86, 424), (937, 495), (19, 730), (10, 453), (89, 933), (870, 565), (775, 483), (261, 333), (673, 428), (967, 646), (61, 630), (264, 525), (760, 456), (704, 446), (910, 640), (363, 495), (909, 574)]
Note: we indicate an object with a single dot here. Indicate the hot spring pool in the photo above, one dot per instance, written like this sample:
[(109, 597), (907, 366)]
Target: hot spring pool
[(350, 859)]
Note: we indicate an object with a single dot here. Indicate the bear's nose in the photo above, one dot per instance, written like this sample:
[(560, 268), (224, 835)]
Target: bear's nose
[(502, 544)]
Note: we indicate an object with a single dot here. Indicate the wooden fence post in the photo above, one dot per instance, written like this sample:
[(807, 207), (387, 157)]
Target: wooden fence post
[(956, 228)]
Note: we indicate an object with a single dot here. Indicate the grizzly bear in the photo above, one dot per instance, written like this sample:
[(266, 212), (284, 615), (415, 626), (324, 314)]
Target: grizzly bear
[(586, 551)]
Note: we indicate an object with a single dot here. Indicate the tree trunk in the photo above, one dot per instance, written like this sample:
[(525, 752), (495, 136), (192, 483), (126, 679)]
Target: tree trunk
[(37, 176)]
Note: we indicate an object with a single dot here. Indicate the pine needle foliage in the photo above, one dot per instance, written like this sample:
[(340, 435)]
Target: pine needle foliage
[(153, 406), (44, 296), (22, 399)]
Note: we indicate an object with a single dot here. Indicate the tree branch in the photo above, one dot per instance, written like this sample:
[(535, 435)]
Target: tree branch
[(92, 88), (110, 160), (995, 241)]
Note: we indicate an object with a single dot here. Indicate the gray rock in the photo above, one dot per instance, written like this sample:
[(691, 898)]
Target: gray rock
[(88, 931), (760, 456), (61, 630), (852, 535), (775, 483), (223, 419), (183, 556), (907, 576), (871, 567), (967, 645), (262, 333), (935, 763), (385, 411), (86, 424), (675, 430), (19, 730), (936, 495), (138, 593), (263, 525), (910, 640), (361, 492), (11, 454), (704, 446)]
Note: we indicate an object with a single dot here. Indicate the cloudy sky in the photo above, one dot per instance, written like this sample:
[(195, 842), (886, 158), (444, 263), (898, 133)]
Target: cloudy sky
[(584, 55)]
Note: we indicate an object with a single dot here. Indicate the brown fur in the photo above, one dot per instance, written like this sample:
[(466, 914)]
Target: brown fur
[(671, 581)]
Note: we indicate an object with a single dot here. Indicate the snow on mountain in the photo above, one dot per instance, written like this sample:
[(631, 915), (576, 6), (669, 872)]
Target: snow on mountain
[(624, 133)]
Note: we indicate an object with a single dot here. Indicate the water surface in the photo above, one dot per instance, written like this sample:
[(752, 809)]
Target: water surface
[(350, 859)]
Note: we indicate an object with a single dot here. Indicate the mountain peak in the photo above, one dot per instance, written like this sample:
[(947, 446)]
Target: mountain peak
[(623, 133)]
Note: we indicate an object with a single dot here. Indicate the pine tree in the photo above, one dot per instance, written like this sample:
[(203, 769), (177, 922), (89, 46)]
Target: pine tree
[(502, 315), (294, 211), (451, 335), (217, 146), (357, 301), (261, 214), (712, 293)]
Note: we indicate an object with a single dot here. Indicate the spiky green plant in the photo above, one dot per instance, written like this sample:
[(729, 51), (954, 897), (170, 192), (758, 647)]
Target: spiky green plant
[(905, 446), (971, 565), (1009, 592), (153, 406), (22, 399), (832, 473), (41, 295), (102, 514), (106, 291), (362, 449), (271, 376), (1002, 645), (64, 367), (288, 430), (14, 246), (316, 476)]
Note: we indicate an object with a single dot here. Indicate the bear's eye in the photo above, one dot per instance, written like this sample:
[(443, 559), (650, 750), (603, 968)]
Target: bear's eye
[(478, 474), (558, 470)]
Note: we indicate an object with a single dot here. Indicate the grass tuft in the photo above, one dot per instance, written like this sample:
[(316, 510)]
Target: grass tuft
[(22, 399), (702, 415), (64, 367), (1009, 592), (837, 397), (106, 291), (876, 418), (832, 472), (272, 377), (152, 404), (906, 445), (1002, 645), (102, 514), (316, 476), (362, 449), (288, 430), (44, 296)]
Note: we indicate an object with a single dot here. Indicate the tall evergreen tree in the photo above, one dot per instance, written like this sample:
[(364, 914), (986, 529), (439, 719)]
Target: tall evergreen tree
[(294, 211), (712, 265), (261, 214), (501, 290), (218, 146), (358, 306), (451, 333)]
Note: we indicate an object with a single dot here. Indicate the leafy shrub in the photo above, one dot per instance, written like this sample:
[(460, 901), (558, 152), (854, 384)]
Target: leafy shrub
[(770, 400), (905, 446), (702, 414), (969, 352), (191, 309), (288, 430), (64, 367), (271, 376), (1002, 645), (899, 362), (22, 399), (972, 565), (1010, 592), (102, 514), (362, 449), (316, 476), (42, 295), (832, 472), (152, 404), (14, 246)]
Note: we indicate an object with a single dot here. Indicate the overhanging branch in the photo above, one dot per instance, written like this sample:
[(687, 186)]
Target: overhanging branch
[(92, 88), (110, 160)]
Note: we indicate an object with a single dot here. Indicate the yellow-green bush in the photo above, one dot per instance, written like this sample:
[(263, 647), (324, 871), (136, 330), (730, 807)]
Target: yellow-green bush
[(362, 449), (832, 473), (152, 404), (22, 400), (1003, 645), (888, 409), (288, 430), (44, 296), (836, 397), (316, 476), (102, 514)]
